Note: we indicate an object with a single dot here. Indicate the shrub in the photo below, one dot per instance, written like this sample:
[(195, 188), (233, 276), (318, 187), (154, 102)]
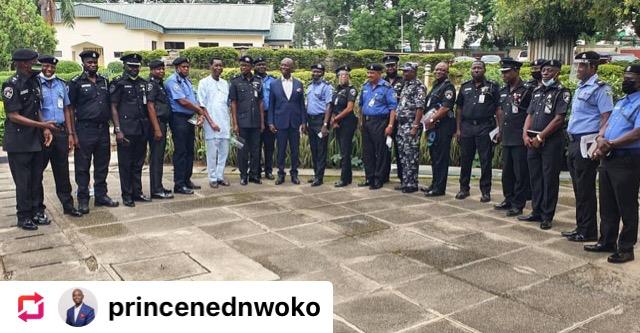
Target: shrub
[(201, 56), (115, 67), (303, 58), (148, 55), (339, 57), (369, 57), (67, 66), (267, 54)]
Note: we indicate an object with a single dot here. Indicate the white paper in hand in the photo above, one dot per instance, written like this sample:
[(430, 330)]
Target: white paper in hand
[(588, 145), (493, 135), (389, 142)]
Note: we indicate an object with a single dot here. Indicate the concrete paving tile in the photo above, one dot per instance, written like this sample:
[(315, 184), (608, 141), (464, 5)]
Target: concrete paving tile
[(443, 256), (623, 319), (486, 243), (260, 245), (209, 216), (68, 271), (346, 249), (357, 225), (390, 268), (440, 210), (573, 249), (508, 316), (104, 232), (346, 285), (476, 221), (178, 240), (341, 327), (440, 326), (121, 250), (376, 204), (210, 202), (94, 218), (618, 284), (495, 276), (233, 229), (443, 293), (526, 233), (351, 194), (140, 211), (381, 312), (228, 264), (542, 261), (270, 194), (284, 220), (396, 240), (26, 260), (292, 262), (327, 212), (163, 268), (310, 234), (158, 224), (406, 215), (302, 202), (36, 242), (472, 203), (440, 229), (259, 209), (16, 233)]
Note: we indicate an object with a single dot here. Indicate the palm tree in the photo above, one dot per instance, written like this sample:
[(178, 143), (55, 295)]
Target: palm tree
[(48, 11)]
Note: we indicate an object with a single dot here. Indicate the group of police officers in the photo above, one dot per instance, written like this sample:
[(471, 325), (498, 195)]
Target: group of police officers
[(48, 118)]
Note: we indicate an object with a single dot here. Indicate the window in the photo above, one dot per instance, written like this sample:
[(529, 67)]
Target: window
[(154, 45), (57, 54), (242, 45), (117, 54), (174, 45), (208, 44)]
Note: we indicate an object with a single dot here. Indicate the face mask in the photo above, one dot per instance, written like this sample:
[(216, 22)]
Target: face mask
[(91, 72), (629, 86), (548, 82), (47, 78), (537, 76), (36, 69)]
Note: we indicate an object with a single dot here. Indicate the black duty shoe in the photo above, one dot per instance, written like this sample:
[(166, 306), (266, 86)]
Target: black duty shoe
[(41, 219), (83, 207), (409, 189), (620, 257), (462, 195), (269, 176), (317, 182), (166, 191), (569, 233), (376, 185), (432, 193), (255, 180), (128, 202), (106, 201), (72, 211), (599, 247), (578, 237), (486, 197), (530, 218), (213, 184), (426, 188), (546, 225), (244, 181), (365, 183), (193, 186), (514, 212), (340, 183), (295, 180), (182, 190), (27, 224), (162, 195), (280, 179), (311, 180), (502, 206), (141, 198)]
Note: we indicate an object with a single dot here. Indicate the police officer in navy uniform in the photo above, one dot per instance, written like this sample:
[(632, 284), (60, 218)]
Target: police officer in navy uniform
[(55, 108), (515, 97), (477, 116), (247, 112), (160, 110), (24, 134), (132, 127), (440, 124), (618, 146), (378, 104), (267, 138), (319, 94), (344, 122), (590, 109), (544, 138), (90, 101), (397, 82)]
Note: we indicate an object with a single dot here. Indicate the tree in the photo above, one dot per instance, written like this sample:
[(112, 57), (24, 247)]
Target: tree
[(23, 27), (374, 26), (48, 11), (486, 27), (441, 18), (612, 15)]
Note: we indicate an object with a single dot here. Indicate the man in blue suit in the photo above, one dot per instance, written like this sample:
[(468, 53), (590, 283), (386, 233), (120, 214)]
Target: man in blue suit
[(287, 118), (80, 314)]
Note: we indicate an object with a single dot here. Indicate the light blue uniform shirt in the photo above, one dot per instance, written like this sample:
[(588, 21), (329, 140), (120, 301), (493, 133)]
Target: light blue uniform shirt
[(589, 102), (624, 118), (177, 88), (54, 98), (318, 97), (378, 100), (266, 89), (214, 96)]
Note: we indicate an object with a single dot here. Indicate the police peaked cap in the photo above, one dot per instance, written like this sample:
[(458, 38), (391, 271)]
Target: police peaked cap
[(24, 54), (390, 59), (89, 54), (507, 64), (552, 63), (132, 59), (246, 59), (538, 62), (318, 66), (343, 68), (259, 60), (635, 68), (47, 59), (375, 67), (180, 60), (156, 63), (587, 57)]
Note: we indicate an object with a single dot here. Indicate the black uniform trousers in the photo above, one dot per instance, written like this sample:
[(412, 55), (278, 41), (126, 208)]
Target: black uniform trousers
[(396, 154), (94, 142), (26, 170), (319, 147), (268, 142), (290, 137), (58, 154), (130, 162), (156, 159), (619, 183), (583, 177), (544, 173), (516, 186), (475, 137), (249, 155), (184, 136), (440, 152), (375, 150), (344, 134)]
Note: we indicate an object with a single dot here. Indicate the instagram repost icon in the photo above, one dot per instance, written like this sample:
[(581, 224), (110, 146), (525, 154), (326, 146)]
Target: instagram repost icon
[(37, 300)]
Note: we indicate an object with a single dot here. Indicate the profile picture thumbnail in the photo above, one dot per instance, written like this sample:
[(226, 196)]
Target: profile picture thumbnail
[(77, 307)]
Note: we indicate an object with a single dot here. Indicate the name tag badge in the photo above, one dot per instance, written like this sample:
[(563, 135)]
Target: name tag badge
[(336, 102), (547, 109), (255, 93), (481, 99), (514, 108), (372, 102), (24, 92), (144, 99), (429, 102), (60, 103)]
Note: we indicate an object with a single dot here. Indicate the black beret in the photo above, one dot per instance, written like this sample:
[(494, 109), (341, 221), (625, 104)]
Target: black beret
[(538, 62), (318, 66), (507, 64), (246, 59), (156, 63), (586, 57), (552, 63), (390, 59), (259, 60), (375, 67), (89, 54), (132, 59), (47, 59), (179, 61), (635, 68), (24, 54), (343, 68)]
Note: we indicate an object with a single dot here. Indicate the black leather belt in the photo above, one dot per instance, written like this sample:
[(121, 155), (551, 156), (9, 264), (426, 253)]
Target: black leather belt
[(91, 124), (577, 137), (479, 121), (376, 117)]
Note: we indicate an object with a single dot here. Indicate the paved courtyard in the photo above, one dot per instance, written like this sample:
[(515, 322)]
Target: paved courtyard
[(398, 262)]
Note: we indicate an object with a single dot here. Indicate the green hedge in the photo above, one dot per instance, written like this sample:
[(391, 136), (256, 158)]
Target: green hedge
[(67, 66), (147, 56), (200, 57)]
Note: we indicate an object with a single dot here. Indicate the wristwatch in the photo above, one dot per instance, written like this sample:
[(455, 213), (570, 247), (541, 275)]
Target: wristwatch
[(116, 130), (325, 124)]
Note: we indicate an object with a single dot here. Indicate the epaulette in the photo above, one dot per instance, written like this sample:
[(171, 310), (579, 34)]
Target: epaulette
[(600, 83), (465, 82), (75, 78)]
